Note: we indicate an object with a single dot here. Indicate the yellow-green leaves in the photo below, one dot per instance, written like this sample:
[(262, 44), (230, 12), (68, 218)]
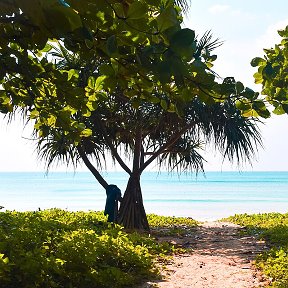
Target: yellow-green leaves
[(57, 243), (34, 114), (94, 85), (257, 61), (86, 132), (272, 74), (71, 73)]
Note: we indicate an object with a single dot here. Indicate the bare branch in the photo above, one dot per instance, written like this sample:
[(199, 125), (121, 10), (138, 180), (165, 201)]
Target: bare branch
[(167, 145), (91, 167), (114, 150)]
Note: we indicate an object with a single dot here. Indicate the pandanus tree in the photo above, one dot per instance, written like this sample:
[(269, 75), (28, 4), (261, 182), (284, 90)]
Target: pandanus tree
[(143, 132), (129, 82)]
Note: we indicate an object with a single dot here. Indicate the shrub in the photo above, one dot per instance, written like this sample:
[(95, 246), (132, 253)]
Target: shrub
[(57, 248), (273, 227)]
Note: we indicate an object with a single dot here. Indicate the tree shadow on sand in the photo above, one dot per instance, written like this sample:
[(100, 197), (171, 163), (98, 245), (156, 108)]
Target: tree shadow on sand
[(225, 245)]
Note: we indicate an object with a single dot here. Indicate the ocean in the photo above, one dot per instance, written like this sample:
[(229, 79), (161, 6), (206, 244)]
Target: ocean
[(206, 197)]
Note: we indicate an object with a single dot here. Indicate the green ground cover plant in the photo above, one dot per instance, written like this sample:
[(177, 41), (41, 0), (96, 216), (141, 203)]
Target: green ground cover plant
[(272, 227), (58, 248), (172, 226)]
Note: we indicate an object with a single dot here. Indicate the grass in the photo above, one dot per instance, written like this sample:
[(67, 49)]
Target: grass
[(171, 226), (273, 228)]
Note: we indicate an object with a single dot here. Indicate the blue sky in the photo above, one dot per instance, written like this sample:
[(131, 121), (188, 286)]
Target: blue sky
[(246, 27)]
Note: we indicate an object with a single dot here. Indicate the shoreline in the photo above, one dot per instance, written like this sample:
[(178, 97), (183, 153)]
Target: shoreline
[(198, 219), (216, 196)]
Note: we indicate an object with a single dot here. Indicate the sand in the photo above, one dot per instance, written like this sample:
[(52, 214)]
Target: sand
[(220, 258)]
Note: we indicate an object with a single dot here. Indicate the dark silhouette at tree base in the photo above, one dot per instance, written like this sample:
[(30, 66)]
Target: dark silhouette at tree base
[(113, 196)]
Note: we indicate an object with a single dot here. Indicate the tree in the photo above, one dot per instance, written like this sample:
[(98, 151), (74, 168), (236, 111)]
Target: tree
[(126, 68), (146, 133), (272, 74)]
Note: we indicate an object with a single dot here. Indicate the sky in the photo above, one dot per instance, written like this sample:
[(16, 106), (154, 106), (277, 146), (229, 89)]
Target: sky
[(246, 27)]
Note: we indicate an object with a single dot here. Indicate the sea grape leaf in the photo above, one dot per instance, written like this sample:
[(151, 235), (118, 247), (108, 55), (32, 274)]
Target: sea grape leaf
[(167, 18), (183, 43), (137, 10), (257, 61)]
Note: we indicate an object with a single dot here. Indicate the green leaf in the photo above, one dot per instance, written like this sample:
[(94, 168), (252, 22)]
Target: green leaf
[(71, 73), (62, 19), (107, 69), (167, 18), (171, 108), (154, 99), (183, 43), (248, 93), (47, 48), (183, 37), (33, 10), (92, 105), (257, 61), (250, 113), (136, 102), (285, 108), (164, 71), (94, 85), (99, 82), (279, 110), (164, 104), (91, 82), (239, 87), (86, 132), (111, 46), (51, 121), (243, 105), (89, 43), (4, 259), (268, 71), (34, 114), (258, 78), (261, 108), (137, 10)]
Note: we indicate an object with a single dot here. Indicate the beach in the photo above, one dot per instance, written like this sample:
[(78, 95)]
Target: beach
[(220, 254)]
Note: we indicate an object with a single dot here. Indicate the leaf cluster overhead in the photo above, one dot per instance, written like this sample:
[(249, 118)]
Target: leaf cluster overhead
[(272, 74), (136, 47), (121, 76)]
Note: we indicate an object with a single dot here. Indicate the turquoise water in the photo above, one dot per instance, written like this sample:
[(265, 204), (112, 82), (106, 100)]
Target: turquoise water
[(213, 196)]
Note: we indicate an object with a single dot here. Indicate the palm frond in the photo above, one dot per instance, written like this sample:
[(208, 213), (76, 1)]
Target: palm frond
[(183, 4), (56, 149), (63, 57), (235, 136), (207, 42), (184, 156)]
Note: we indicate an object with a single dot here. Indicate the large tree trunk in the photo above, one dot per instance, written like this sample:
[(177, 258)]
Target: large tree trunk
[(132, 214)]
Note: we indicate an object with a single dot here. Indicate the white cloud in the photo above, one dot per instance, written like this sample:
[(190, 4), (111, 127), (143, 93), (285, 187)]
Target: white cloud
[(217, 9), (271, 36)]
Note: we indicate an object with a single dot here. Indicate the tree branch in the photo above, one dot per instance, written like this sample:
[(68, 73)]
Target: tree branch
[(113, 149), (91, 167), (167, 145)]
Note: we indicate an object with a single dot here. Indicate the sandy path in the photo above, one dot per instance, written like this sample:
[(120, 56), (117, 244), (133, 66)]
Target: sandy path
[(220, 258)]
